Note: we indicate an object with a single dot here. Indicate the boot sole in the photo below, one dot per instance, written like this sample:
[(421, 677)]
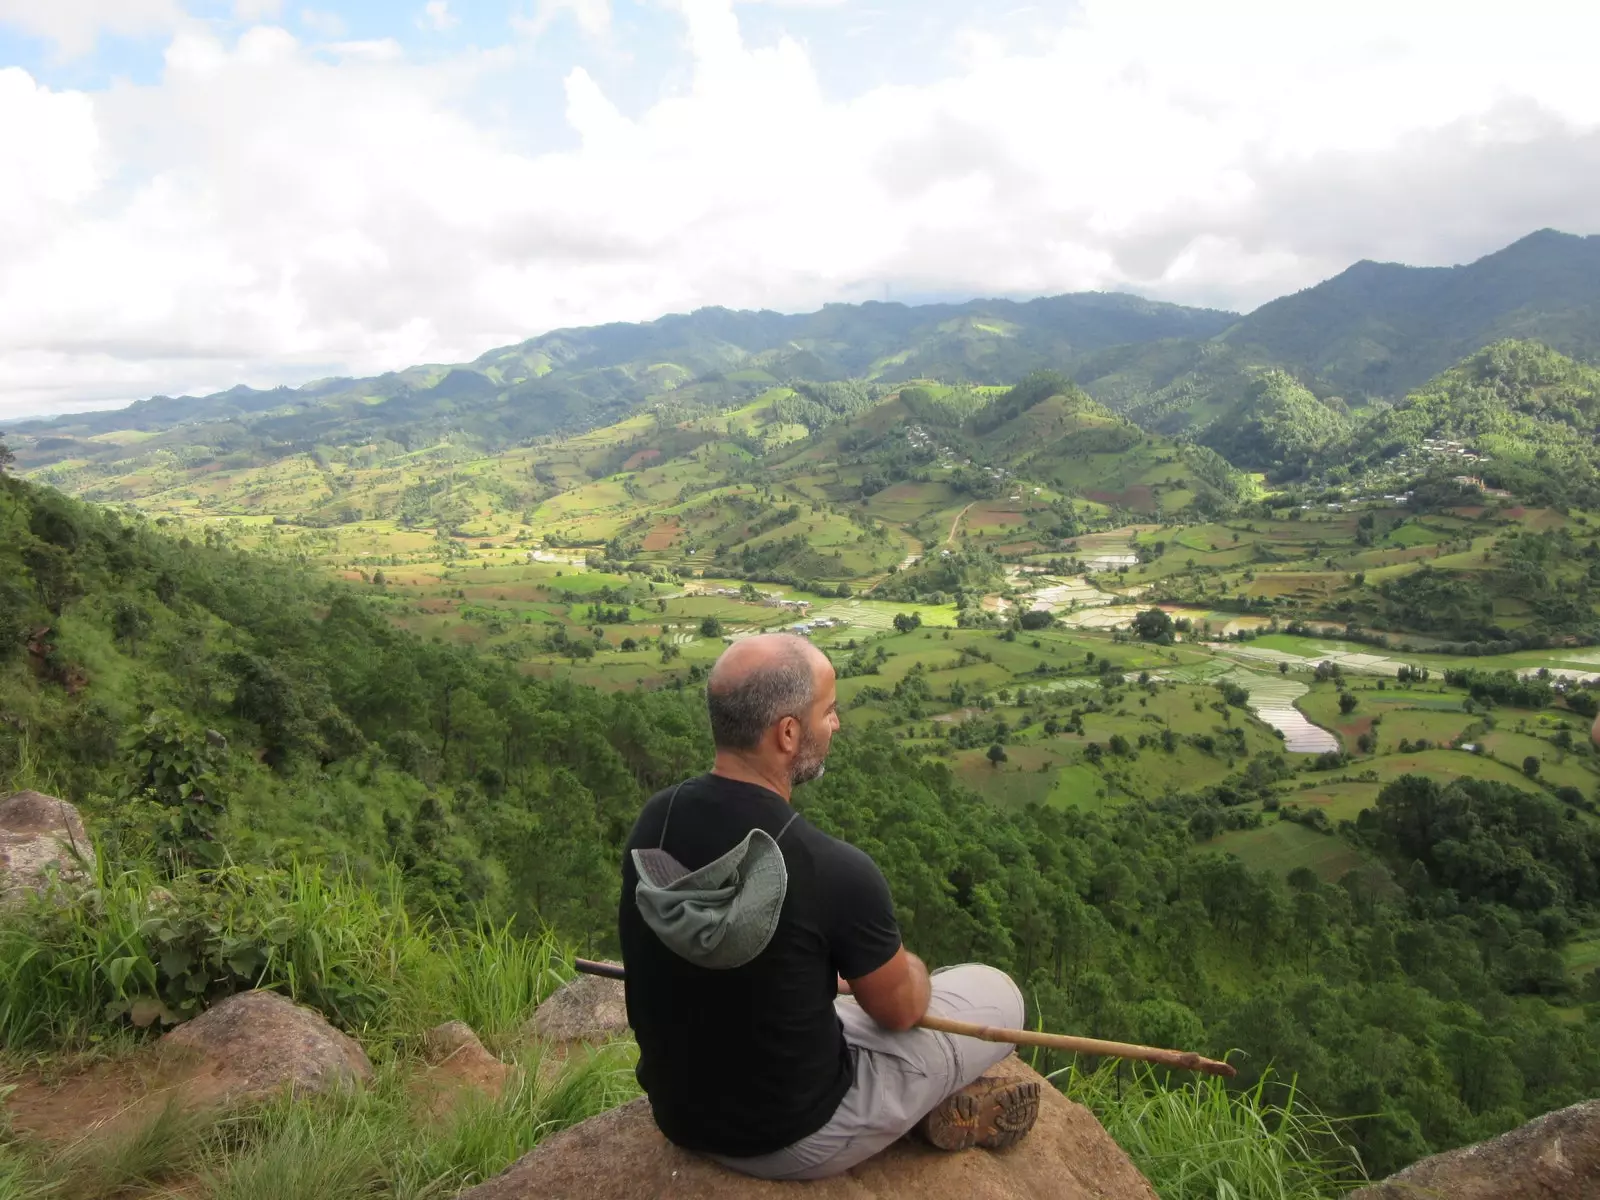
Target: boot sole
[(994, 1120)]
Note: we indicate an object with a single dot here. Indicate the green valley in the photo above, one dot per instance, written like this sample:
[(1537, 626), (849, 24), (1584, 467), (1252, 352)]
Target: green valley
[(1228, 688)]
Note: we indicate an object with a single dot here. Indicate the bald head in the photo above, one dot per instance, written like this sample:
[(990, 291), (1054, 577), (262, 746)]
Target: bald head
[(757, 682)]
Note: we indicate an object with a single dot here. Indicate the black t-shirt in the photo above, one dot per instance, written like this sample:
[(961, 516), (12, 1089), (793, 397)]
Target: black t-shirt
[(749, 1060)]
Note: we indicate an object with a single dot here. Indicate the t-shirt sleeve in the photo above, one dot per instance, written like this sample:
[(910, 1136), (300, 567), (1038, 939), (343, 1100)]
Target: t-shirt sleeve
[(862, 931)]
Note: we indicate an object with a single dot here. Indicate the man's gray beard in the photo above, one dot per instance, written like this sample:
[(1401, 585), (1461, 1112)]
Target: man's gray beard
[(808, 764)]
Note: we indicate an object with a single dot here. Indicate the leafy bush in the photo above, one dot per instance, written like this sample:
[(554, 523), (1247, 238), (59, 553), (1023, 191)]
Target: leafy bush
[(135, 947)]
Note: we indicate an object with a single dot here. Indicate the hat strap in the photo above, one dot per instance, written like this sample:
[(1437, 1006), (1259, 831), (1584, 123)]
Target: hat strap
[(667, 820)]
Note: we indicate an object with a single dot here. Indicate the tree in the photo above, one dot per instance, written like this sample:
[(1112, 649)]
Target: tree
[(1348, 702), (129, 623), (1530, 766), (710, 628), (997, 754), (906, 622), (1036, 618), (1153, 625), (1283, 667), (6, 456)]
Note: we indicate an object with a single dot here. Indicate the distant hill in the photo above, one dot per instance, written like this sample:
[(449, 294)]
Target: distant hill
[(1268, 391), (576, 379), (1374, 332), (1381, 329)]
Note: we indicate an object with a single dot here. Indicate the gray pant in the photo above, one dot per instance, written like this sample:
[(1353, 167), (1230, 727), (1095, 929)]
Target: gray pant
[(899, 1076)]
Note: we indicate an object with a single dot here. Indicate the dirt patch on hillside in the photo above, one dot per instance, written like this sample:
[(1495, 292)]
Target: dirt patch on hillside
[(1138, 497), (640, 459), (662, 537), (1351, 730)]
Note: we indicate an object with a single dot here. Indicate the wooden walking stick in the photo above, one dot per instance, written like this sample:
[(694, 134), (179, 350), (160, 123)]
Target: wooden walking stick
[(1181, 1060)]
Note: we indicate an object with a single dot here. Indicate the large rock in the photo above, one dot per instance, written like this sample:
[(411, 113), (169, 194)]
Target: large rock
[(38, 832), (255, 1044), (459, 1064), (587, 1008), (1555, 1157), (620, 1155)]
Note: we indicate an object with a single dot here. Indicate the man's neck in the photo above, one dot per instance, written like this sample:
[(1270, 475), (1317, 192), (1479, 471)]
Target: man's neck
[(732, 765)]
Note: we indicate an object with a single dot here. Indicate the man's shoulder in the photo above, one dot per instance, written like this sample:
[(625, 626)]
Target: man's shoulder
[(835, 855)]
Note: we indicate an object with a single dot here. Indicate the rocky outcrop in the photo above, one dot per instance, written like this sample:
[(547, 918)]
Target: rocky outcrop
[(1555, 1157), (459, 1063), (621, 1156), (40, 835), (256, 1044), (586, 1008)]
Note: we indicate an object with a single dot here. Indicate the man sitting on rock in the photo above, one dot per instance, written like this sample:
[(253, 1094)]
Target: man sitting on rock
[(741, 924)]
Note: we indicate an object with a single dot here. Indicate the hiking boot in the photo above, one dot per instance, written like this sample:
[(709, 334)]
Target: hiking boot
[(993, 1112)]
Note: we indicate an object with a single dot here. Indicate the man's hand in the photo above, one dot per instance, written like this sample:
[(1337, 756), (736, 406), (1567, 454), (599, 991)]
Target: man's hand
[(896, 994)]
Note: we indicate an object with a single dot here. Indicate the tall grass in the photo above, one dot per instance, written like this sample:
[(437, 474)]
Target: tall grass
[(80, 963), (376, 1143), (1205, 1141)]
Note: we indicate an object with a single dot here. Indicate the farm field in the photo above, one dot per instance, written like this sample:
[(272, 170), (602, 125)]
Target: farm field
[(977, 593)]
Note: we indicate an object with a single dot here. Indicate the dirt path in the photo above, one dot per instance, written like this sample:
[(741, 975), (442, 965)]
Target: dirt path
[(951, 540)]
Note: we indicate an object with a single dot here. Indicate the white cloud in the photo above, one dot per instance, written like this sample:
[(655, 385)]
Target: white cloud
[(436, 15), (266, 213), (592, 16), (74, 25), (323, 24), (257, 10)]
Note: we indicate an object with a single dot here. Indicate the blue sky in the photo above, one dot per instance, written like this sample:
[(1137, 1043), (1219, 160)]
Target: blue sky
[(206, 192)]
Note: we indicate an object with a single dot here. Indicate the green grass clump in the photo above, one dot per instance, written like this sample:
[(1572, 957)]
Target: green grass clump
[(1205, 1141), (77, 966)]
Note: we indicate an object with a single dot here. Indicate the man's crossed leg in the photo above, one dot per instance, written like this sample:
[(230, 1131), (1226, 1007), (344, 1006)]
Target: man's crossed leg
[(899, 1077)]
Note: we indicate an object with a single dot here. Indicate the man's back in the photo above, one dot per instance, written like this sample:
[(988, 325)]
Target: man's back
[(747, 1060)]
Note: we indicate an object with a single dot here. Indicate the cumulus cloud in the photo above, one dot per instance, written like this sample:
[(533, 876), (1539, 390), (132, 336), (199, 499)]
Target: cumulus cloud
[(268, 211), (436, 15), (75, 25), (591, 16)]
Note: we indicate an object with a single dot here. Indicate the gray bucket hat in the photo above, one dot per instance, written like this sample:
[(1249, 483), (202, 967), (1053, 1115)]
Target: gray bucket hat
[(722, 915)]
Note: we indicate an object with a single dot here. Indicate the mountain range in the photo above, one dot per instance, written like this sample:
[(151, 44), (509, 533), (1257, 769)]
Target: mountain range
[(1367, 335)]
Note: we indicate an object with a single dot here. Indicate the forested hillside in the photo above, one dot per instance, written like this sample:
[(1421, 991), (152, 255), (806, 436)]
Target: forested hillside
[(198, 701), (576, 379), (1381, 329)]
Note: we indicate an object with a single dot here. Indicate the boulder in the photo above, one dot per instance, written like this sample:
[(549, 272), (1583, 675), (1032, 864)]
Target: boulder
[(460, 1064), (1554, 1157), (255, 1044), (620, 1155), (36, 833), (586, 1008)]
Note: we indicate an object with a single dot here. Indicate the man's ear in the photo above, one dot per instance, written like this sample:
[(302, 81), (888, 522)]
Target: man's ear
[(788, 734)]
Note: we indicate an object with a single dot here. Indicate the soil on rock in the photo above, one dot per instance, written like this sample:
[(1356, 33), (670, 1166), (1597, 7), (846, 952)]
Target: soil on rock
[(1554, 1157), (255, 1044), (587, 1008), (38, 832), (459, 1066), (622, 1156)]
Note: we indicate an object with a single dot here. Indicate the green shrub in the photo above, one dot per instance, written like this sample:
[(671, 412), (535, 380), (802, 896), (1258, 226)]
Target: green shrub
[(138, 947)]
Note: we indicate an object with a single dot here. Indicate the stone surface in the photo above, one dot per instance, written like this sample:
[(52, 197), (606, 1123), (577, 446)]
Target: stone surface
[(36, 832), (586, 1008), (255, 1044), (1554, 1157), (460, 1064), (621, 1156)]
